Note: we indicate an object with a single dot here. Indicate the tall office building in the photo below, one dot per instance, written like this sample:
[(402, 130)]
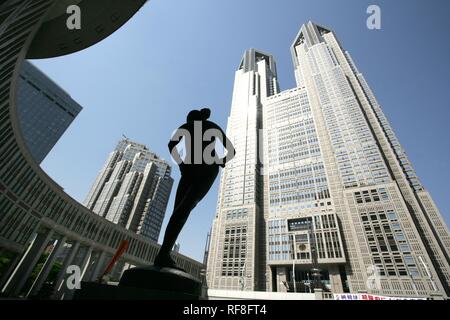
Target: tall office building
[(324, 189), (237, 237), (132, 189), (45, 111)]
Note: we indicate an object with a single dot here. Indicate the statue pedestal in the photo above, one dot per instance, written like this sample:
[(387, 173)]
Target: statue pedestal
[(148, 283)]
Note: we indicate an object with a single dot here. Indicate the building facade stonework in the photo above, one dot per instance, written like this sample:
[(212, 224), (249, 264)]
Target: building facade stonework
[(321, 185), (132, 189)]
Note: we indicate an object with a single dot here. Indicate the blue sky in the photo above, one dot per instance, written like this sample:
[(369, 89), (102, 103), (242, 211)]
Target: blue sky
[(177, 55)]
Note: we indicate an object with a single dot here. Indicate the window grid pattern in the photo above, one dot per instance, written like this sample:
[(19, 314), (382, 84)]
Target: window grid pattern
[(234, 251)]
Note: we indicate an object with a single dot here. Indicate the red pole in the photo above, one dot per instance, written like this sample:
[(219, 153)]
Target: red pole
[(120, 251)]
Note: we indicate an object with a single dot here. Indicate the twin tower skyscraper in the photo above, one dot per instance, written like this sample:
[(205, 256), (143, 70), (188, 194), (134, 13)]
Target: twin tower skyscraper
[(321, 185)]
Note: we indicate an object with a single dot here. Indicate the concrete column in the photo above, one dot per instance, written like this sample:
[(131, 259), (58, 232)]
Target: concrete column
[(281, 279), (66, 293), (272, 287), (119, 268), (59, 282), (335, 279), (9, 270), (48, 265), (91, 265), (26, 265), (98, 268), (268, 279)]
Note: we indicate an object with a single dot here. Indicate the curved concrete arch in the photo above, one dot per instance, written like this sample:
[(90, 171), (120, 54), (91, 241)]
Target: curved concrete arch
[(33, 208), (99, 19)]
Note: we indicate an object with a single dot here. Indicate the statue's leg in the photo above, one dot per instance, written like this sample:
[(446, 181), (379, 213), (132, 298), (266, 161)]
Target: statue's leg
[(191, 189)]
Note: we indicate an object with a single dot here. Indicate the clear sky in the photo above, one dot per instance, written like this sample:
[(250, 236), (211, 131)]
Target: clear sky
[(177, 55)]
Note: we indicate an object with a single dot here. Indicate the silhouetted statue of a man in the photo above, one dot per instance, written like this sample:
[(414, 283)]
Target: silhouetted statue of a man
[(199, 169)]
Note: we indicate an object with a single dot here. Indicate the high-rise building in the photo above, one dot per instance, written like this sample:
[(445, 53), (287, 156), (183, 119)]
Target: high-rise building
[(237, 238), (132, 189), (35, 211), (44, 109), (321, 193)]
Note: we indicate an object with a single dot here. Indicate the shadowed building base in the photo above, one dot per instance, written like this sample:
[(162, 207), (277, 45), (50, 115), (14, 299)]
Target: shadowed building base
[(149, 283)]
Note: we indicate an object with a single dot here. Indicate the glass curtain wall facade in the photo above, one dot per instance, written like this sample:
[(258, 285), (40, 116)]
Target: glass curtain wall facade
[(45, 111)]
